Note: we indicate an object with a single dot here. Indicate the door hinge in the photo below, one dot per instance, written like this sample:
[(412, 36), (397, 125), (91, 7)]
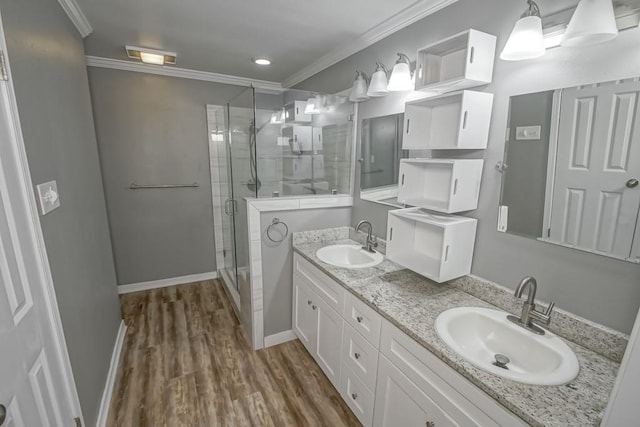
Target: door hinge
[(350, 117), (548, 232), (4, 75), (78, 422)]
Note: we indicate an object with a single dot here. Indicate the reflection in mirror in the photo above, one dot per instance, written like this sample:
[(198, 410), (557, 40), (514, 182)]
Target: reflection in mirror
[(571, 168), (380, 154)]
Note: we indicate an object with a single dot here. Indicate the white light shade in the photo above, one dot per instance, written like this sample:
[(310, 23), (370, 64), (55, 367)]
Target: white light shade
[(359, 90), (310, 108), (593, 22), (526, 40), (400, 79), (152, 58), (378, 85)]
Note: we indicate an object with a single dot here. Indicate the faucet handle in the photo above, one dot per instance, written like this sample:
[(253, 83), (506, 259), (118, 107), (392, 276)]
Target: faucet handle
[(549, 309)]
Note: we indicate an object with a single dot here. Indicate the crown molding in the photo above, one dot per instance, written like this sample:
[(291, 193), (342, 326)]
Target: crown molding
[(169, 71), (76, 15), (403, 19)]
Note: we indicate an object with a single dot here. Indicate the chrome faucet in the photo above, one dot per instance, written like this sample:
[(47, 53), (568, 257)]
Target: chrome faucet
[(529, 312), (372, 241)]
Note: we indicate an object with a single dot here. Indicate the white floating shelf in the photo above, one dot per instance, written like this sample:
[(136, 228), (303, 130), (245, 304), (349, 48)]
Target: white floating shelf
[(448, 122), (300, 137), (439, 247), (459, 62), (294, 113), (442, 185)]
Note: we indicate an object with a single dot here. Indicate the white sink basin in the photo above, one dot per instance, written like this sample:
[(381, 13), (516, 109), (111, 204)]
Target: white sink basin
[(478, 334), (349, 256)]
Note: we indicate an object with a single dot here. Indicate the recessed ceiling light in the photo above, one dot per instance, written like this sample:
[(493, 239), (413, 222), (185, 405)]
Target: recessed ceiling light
[(151, 56), (262, 61)]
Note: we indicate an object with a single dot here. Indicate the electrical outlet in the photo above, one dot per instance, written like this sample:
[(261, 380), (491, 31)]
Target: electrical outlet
[(48, 196), (528, 133)]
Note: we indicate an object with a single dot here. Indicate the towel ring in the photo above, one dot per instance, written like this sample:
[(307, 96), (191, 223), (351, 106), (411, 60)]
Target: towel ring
[(275, 222)]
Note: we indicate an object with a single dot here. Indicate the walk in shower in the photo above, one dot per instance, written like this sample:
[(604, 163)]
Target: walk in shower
[(266, 145)]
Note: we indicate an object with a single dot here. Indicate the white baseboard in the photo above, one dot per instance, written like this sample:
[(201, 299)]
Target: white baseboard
[(279, 338), (163, 283), (111, 377)]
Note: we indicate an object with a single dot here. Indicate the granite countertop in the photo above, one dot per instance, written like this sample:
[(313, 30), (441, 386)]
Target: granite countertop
[(412, 303)]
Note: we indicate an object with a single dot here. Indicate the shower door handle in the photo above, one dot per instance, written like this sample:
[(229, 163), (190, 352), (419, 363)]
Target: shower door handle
[(230, 206)]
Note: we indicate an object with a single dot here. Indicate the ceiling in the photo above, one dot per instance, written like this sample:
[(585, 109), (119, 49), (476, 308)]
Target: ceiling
[(221, 36)]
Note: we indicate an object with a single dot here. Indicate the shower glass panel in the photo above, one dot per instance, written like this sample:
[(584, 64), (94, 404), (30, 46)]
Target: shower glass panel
[(267, 145), (303, 154)]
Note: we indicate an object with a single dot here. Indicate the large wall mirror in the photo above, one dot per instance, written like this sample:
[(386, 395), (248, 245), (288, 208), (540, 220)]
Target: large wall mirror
[(380, 154), (571, 168)]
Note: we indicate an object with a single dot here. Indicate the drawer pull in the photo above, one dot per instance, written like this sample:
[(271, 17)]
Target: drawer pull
[(430, 424), (356, 355), (354, 396), (359, 319), (308, 302), (314, 307)]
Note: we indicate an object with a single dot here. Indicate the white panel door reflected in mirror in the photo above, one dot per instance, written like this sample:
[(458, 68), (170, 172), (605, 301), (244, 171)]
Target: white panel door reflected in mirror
[(380, 154), (571, 168)]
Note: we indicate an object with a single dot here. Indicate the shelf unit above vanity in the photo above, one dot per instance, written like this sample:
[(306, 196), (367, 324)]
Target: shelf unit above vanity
[(441, 185), (449, 122), (461, 61), (439, 247)]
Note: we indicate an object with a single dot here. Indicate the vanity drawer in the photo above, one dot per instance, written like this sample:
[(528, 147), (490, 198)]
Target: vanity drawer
[(359, 356), (331, 292), (363, 318), (455, 395), (359, 399)]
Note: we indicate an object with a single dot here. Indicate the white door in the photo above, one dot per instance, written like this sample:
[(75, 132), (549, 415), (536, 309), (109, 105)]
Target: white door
[(34, 378), (328, 341), (399, 402), (596, 196)]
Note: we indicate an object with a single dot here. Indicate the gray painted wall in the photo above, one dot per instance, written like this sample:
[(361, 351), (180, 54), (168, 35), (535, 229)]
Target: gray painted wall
[(153, 130), (525, 179), (277, 260), (601, 289), (50, 80)]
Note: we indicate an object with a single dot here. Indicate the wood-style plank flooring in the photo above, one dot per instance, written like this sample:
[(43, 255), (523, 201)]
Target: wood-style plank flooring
[(185, 362)]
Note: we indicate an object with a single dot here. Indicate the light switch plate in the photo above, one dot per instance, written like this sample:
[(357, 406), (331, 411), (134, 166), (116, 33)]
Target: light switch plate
[(528, 133), (48, 196)]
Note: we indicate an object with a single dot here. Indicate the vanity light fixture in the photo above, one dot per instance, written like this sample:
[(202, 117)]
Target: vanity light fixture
[(401, 76), (359, 89), (261, 61), (526, 40), (151, 56), (310, 108), (593, 21), (379, 82), (316, 105)]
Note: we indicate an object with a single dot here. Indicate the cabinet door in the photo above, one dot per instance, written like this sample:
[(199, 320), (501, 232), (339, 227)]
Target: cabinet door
[(399, 402), (328, 341), (416, 128), (304, 316)]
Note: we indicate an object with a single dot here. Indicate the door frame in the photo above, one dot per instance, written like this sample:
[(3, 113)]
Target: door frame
[(45, 279)]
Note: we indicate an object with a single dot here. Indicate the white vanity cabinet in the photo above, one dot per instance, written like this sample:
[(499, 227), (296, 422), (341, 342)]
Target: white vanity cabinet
[(300, 137), (450, 122), (442, 185), (294, 113), (461, 61), (415, 388), (439, 247), (384, 376)]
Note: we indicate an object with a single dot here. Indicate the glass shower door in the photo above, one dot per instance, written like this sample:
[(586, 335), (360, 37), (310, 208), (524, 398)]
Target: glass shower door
[(242, 182)]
